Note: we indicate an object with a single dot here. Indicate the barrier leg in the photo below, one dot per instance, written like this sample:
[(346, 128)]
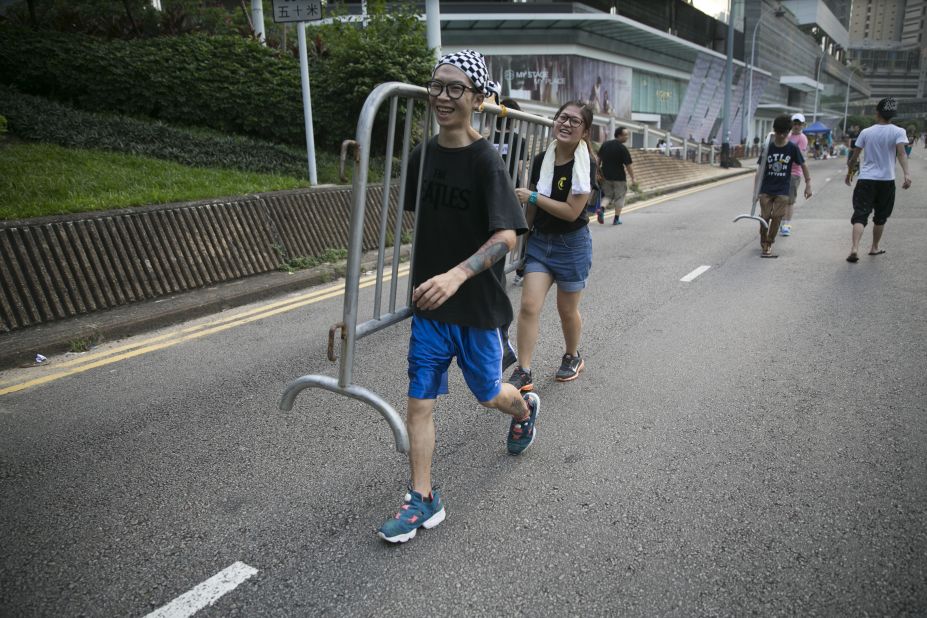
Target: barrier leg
[(294, 388), (754, 217)]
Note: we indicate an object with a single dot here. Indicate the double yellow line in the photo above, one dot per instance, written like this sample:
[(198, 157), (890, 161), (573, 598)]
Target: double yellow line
[(160, 342)]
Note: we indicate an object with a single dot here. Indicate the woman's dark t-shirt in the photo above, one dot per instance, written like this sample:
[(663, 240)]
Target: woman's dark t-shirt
[(547, 223), (466, 197)]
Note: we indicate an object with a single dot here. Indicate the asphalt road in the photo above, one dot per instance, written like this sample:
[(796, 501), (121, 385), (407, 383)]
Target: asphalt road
[(753, 441)]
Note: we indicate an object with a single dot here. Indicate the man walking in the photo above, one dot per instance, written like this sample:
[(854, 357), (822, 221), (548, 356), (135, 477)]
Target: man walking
[(875, 189), (614, 159), (468, 221)]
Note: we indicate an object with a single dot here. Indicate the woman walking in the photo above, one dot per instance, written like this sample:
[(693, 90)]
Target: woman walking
[(560, 248)]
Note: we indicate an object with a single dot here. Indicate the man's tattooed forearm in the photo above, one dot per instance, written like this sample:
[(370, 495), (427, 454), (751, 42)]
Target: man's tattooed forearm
[(487, 255)]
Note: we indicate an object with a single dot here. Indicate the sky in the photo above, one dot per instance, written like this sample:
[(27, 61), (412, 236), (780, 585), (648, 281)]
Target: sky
[(711, 7)]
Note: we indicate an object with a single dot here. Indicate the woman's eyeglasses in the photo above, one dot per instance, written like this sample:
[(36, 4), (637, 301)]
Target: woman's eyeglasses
[(570, 120), (454, 90)]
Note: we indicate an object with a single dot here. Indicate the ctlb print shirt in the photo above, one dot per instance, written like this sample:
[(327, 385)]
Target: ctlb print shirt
[(778, 168)]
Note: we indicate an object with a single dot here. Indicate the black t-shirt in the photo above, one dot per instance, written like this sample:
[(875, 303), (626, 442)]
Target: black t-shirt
[(501, 143), (466, 197), (614, 157), (777, 174), (560, 190)]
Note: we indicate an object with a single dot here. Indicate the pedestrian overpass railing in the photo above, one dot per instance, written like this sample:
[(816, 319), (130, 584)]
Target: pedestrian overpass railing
[(404, 108)]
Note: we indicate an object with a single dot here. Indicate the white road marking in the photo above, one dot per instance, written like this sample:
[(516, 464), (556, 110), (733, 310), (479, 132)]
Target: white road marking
[(206, 593), (695, 273)]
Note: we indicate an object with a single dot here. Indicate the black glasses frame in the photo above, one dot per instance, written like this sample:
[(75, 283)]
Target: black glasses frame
[(570, 120), (435, 88)]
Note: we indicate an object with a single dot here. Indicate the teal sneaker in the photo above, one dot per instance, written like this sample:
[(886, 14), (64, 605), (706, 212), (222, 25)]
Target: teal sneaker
[(414, 514), (522, 433)]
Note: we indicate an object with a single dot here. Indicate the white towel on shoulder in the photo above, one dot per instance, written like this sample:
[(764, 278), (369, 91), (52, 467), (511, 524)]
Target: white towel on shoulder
[(581, 181)]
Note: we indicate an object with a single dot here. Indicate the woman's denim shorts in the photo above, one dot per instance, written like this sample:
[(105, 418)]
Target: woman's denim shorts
[(565, 257)]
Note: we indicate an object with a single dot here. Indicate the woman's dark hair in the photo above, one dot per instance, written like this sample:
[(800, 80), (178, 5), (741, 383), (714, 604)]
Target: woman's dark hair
[(586, 113)]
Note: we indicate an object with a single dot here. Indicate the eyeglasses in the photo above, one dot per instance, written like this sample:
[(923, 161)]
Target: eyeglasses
[(454, 90), (570, 120)]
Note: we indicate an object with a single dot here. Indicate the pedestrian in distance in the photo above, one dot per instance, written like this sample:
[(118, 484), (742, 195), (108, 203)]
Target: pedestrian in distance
[(559, 249), (468, 220), (798, 138), (874, 193), (775, 183), (615, 167)]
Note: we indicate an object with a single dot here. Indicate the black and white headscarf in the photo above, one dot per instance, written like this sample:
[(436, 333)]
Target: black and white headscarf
[(473, 64)]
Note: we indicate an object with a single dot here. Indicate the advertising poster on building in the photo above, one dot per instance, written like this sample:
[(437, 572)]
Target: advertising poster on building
[(556, 79)]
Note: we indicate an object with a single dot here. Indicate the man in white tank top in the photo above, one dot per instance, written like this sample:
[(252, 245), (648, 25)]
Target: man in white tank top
[(875, 190)]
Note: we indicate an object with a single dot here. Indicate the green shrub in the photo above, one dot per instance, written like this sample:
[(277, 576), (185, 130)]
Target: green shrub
[(226, 83), (351, 61), (38, 119), (3, 124), (129, 18)]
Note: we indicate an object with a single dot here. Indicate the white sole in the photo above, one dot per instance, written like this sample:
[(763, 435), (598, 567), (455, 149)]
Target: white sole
[(429, 523)]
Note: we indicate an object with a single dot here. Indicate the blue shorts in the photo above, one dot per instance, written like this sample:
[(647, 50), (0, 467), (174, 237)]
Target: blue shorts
[(432, 346), (565, 257)]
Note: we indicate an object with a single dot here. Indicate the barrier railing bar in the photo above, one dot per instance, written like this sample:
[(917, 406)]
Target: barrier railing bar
[(400, 205), (384, 208), (371, 326)]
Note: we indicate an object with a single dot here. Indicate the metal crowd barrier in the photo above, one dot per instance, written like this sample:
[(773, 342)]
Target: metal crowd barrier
[(402, 101), (757, 181)]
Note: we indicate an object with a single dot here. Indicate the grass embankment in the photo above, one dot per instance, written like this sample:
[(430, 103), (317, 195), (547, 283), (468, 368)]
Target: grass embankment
[(38, 180)]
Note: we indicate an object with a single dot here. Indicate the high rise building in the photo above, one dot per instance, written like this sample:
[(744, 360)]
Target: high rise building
[(888, 41)]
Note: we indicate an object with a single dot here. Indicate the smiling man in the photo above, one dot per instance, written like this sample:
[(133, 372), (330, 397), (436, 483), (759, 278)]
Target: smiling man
[(468, 221)]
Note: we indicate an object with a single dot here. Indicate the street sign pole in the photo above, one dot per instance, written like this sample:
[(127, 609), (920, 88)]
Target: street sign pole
[(307, 102), (301, 11)]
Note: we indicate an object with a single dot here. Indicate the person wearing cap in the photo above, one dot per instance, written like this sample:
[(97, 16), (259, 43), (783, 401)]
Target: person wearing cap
[(468, 220), (875, 190), (798, 138), (774, 174)]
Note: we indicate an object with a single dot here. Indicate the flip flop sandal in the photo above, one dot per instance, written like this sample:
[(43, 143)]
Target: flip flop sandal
[(880, 252), (853, 258)]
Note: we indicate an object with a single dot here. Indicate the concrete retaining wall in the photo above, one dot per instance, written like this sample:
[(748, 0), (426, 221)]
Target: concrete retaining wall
[(58, 267)]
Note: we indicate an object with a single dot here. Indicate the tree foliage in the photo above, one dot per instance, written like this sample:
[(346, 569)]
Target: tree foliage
[(126, 19), (112, 56), (350, 61)]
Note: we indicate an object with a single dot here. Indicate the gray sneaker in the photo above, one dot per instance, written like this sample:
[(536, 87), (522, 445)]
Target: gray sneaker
[(521, 380), (570, 366)]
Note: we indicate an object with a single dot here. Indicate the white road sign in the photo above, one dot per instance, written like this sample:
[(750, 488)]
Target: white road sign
[(286, 11)]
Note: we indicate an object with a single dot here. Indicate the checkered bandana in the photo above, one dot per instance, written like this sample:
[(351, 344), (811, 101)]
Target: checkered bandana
[(887, 107), (474, 65)]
